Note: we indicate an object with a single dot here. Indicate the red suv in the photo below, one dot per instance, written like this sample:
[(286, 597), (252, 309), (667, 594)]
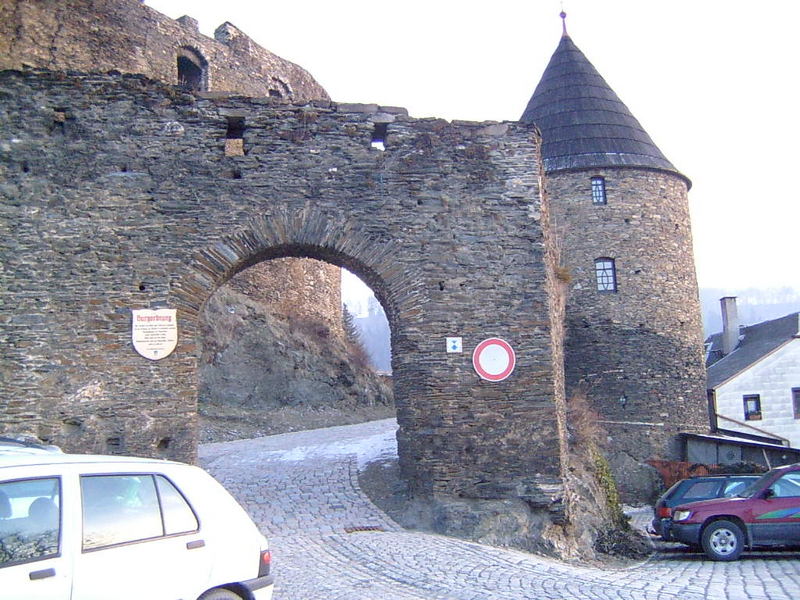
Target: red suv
[(766, 513)]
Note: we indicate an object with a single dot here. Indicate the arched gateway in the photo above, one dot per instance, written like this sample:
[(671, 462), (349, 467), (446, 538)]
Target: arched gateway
[(125, 194)]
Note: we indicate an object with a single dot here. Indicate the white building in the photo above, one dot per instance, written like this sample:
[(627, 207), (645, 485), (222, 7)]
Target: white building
[(754, 378)]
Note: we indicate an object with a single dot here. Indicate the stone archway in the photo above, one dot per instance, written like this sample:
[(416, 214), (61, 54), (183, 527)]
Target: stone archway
[(294, 244)]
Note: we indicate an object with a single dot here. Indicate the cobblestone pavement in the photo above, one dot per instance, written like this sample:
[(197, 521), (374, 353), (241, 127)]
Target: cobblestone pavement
[(330, 542)]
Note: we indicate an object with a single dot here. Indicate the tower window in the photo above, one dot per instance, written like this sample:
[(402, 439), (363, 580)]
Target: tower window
[(606, 273), (796, 402), (752, 407), (598, 190)]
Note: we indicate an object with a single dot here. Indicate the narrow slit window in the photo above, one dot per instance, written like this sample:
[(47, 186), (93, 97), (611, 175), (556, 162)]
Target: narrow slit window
[(606, 273), (379, 136), (796, 402), (234, 137), (598, 190)]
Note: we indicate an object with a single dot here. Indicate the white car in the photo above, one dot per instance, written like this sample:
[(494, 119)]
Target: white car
[(81, 527)]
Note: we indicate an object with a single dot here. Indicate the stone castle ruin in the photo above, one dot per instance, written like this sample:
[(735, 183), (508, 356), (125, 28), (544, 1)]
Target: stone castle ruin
[(132, 179)]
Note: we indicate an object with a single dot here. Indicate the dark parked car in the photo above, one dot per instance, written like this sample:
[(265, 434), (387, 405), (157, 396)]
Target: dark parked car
[(766, 513), (703, 487)]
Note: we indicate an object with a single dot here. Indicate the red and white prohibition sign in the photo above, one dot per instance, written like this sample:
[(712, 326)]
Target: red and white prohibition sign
[(493, 359)]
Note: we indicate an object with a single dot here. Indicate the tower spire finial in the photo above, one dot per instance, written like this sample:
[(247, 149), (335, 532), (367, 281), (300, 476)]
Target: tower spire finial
[(563, 16)]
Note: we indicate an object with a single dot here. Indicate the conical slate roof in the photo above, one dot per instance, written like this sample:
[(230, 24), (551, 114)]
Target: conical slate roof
[(583, 122)]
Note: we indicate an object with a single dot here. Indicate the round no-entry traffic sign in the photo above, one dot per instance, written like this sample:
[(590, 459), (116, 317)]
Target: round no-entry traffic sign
[(493, 359)]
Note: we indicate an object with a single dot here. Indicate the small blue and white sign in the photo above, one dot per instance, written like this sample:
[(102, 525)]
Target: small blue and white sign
[(454, 345)]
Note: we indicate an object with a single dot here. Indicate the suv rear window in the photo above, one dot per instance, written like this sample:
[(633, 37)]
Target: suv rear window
[(118, 509), (29, 520), (702, 490)]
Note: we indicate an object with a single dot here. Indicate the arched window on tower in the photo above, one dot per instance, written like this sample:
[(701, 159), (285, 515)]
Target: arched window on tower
[(606, 272), (192, 70)]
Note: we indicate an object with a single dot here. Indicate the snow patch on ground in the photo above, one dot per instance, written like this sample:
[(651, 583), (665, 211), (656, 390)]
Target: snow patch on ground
[(368, 442)]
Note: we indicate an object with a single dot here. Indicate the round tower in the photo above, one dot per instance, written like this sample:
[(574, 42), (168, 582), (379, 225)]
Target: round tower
[(620, 209)]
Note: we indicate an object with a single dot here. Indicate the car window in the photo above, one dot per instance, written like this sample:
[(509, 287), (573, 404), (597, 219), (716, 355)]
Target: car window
[(119, 509), (787, 486), (178, 515), (735, 486), (30, 520), (700, 490), (757, 485)]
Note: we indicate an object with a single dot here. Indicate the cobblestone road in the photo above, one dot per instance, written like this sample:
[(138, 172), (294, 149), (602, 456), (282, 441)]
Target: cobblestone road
[(330, 542)]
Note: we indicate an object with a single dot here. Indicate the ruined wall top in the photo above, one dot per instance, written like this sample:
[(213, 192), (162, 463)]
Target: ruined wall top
[(127, 36)]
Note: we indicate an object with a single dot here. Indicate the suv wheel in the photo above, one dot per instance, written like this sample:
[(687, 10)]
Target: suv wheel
[(723, 540)]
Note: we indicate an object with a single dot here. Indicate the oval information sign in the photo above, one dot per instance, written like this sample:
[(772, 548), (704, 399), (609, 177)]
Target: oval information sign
[(493, 359)]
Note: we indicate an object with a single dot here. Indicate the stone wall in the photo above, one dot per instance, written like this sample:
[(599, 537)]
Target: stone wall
[(117, 193), (127, 36), (304, 289)]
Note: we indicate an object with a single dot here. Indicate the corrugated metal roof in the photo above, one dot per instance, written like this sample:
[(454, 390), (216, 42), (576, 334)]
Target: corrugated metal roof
[(755, 342), (583, 122)]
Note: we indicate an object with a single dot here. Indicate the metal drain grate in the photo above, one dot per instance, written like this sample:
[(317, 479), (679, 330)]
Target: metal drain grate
[(361, 528)]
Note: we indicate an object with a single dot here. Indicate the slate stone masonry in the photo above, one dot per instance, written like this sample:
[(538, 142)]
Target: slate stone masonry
[(118, 194)]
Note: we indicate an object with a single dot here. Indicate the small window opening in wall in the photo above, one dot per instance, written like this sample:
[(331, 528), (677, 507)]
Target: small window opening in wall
[(752, 407), (163, 445), (142, 287), (113, 445), (598, 190), (59, 120), (606, 272), (275, 94), (796, 402), (192, 70), (379, 135), (234, 137)]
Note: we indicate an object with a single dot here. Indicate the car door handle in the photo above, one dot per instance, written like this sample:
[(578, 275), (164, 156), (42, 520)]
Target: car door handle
[(43, 574), (195, 544)]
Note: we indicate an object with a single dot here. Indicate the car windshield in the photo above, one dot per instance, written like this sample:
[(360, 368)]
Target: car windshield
[(756, 485)]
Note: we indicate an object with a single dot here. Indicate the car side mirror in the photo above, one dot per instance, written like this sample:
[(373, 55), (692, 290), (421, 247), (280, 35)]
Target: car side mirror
[(768, 493)]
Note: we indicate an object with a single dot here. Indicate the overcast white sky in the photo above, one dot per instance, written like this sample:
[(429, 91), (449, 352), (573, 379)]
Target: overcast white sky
[(714, 82)]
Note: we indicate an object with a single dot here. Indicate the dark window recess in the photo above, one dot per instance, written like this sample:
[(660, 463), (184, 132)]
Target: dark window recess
[(598, 190), (190, 76), (59, 120), (796, 402), (379, 135), (234, 137), (752, 407), (606, 273), (192, 70), (275, 94)]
